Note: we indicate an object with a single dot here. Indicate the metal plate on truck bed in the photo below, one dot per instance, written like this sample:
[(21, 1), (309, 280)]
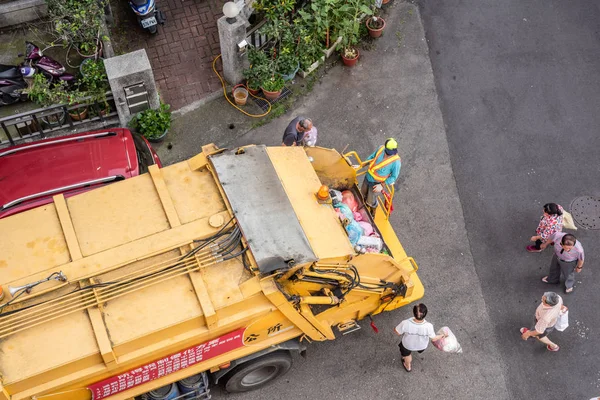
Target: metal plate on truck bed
[(262, 208)]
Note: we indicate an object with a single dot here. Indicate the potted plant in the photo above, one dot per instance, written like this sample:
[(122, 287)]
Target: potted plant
[(351, 31), (375, 25), (77, 23), (94, 81), (257, 71), (153, 124), (272, 86), (46, 94), (310, 51), (287, 64), (323, 17)]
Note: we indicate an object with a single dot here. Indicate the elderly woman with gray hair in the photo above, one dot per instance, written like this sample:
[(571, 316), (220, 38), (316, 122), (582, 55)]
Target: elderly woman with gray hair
[(546, 316)]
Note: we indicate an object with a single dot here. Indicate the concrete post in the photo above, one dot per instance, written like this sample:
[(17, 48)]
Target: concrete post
[(229, 36), (132, 83)]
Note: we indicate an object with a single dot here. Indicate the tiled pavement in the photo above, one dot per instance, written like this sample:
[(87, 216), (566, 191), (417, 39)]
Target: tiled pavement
[(182, 52)]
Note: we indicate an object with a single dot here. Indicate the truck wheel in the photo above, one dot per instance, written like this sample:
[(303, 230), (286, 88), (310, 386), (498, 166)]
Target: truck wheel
[(258, 372)]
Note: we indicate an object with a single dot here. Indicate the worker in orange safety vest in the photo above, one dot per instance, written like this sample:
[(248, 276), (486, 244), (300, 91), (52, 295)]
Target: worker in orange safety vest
[(384, 168)]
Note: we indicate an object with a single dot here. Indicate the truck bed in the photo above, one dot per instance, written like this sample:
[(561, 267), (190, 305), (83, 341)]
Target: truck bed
[(134, 293)]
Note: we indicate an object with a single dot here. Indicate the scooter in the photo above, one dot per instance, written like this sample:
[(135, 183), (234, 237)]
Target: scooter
[(149, 16), (49, 67), (11, 85)]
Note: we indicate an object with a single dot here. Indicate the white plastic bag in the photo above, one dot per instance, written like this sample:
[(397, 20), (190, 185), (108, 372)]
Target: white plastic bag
[(562, 322), (447, 344)]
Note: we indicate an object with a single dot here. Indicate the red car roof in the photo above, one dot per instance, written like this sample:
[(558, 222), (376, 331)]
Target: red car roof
[(49, 164)]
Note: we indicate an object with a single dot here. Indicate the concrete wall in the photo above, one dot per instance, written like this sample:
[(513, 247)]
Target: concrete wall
[(19, 11)]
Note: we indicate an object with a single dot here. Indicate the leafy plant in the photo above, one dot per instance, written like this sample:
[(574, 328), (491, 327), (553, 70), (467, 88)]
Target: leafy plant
[(46, 93), (94, 80), (375, 23), (152, 124), (287, 62), (350, 53), (273, 84), (77, 23), (259, 68), (350, 26), (309, 48)]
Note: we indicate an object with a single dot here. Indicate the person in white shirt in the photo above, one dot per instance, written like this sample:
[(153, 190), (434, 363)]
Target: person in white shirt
[(416, 334)]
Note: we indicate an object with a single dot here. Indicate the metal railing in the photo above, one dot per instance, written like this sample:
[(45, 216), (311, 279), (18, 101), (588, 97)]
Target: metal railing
[(255, 38), (359, 167), (37, 124)]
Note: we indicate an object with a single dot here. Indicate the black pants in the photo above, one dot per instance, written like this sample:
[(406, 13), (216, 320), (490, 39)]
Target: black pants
[(406, 352)]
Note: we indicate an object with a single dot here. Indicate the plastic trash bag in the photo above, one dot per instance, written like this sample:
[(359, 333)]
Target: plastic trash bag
[(310, 137), (371, 242), (447, 344), (363, 214), (336, 196), (354, 232), (349, 199), (562, 322), (367, 228), (344, 209)]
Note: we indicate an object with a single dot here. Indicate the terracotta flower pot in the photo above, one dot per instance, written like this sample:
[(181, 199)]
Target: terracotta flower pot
[(78, 114), (349, 62), (272, 95), (375, 32), (253, 92)]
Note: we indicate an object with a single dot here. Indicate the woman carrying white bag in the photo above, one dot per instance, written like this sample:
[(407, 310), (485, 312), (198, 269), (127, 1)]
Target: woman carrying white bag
[(551, 314)]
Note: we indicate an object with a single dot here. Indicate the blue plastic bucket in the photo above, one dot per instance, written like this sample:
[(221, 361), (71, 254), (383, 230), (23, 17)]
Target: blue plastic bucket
[(192, 384), (168, 392)]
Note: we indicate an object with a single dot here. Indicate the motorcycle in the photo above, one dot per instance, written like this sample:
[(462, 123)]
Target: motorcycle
[(12, 85), (49, 67), (148, 15)]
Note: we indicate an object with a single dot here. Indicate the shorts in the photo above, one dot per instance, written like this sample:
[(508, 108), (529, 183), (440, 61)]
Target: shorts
[(547, 331), (406, 352)]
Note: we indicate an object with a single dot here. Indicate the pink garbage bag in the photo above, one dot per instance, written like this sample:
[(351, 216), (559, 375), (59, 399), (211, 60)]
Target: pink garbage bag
[(367, 228), (448, 344), (363, 215), (349, 200)]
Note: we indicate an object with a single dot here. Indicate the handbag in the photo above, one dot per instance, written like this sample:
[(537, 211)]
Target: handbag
[(562, 322), (568, 222)]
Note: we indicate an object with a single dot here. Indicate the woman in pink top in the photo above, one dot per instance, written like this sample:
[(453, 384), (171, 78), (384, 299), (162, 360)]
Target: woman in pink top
[(550, 223)]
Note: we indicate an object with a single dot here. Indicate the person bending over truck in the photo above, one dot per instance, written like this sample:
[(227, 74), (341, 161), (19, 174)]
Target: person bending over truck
[(384, 168), (295, 131), (416, 334)]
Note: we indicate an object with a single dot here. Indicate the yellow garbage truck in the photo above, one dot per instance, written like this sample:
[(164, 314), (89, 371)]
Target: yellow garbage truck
[(211, 270)]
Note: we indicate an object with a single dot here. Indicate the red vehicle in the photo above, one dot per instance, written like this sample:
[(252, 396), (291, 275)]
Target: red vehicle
[(30, 174)]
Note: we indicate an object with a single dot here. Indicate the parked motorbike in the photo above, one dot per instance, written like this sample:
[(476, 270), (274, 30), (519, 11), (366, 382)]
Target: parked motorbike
[(148, 15), (36, 61), (11, 85)]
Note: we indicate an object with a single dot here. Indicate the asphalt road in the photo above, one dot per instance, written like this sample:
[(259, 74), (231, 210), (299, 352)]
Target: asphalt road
[(518, 82)]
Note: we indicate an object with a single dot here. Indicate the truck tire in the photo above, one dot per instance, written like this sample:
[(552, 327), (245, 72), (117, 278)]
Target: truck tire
[(258, 372)]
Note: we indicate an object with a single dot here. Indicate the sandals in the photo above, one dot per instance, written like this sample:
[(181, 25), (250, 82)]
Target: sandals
[(533, 249), (545, 280), (557, 348), (523, 330), (405, 367), (569, 290)]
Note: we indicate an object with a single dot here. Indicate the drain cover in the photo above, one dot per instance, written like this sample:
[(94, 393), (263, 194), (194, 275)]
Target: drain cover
[(586, 212)]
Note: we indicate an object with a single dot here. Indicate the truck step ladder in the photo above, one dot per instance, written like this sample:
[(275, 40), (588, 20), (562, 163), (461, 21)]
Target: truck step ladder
[(348, 327)]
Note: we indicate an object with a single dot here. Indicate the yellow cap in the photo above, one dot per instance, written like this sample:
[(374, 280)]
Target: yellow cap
[(391, 144)]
